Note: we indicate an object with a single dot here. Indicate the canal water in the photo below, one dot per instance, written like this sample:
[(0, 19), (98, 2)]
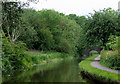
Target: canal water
[(64, 71)]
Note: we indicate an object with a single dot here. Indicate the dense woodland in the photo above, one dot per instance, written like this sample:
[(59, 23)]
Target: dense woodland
[(48, 30)]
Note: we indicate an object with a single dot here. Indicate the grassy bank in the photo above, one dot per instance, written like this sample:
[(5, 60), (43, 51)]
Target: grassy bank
[(37, 57), (96, 74)]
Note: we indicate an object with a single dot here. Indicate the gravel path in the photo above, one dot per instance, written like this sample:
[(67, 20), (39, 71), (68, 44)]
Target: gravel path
[(96, 64)]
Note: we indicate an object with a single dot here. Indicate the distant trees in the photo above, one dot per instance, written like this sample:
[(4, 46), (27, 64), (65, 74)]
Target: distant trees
[(50, 30), (81, 20), (97, 28)]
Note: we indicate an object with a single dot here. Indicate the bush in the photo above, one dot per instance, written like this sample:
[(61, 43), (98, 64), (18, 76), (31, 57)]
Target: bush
[(110, 59), (12, 54), (64, 46), (45, 39), (46, 56), (113, 43)]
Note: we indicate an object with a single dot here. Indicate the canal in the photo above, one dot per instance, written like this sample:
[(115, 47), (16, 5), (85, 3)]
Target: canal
[(64, 71)]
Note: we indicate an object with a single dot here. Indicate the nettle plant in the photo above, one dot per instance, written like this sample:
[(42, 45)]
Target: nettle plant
[(113, 43)]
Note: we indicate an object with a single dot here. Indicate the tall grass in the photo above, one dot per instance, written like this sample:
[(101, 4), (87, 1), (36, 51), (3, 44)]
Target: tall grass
[(37, 57)]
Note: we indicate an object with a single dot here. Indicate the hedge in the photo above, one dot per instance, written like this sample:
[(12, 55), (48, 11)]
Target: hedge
[(110, 59)]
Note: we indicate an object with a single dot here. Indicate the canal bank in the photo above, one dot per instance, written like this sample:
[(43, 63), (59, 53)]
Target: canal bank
[(95, 74)]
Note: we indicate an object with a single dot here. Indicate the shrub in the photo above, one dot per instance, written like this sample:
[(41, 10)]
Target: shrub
[(12, 54), (46, 39), (110, 59), (64, 46), (113, 43)]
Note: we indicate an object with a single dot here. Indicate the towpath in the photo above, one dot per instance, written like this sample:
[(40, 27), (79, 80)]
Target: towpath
[(96, 64)]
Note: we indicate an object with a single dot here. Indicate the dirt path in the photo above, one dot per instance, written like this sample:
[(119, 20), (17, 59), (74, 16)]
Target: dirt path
[(96, 64)]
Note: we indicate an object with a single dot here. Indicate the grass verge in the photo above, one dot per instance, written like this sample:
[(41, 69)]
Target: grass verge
[(96, 74), (37, 57)]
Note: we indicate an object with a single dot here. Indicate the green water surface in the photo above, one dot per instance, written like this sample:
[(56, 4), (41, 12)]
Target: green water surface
[(64, 71)]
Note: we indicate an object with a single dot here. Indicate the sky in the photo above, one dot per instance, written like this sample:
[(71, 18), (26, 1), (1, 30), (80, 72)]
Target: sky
[(78, 7)]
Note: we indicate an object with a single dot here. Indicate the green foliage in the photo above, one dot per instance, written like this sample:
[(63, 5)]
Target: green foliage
[(29, 34), (64, 46), (49, 19), (11, 13), (51, 31), (43, 30), (46, 39), (81, 20), (43, 57), (96, 28), (113, 42), (110, 59), (100, 25), (48, 30), (12, 54), (93, 52)]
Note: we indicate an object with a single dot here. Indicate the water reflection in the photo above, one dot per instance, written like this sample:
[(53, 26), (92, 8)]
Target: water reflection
[(65, 71)]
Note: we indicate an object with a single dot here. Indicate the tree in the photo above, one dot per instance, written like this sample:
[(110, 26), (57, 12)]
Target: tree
[(11, 19), (46, 39), (53, 30), (81, 20), (100, 25), (29, 20)]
